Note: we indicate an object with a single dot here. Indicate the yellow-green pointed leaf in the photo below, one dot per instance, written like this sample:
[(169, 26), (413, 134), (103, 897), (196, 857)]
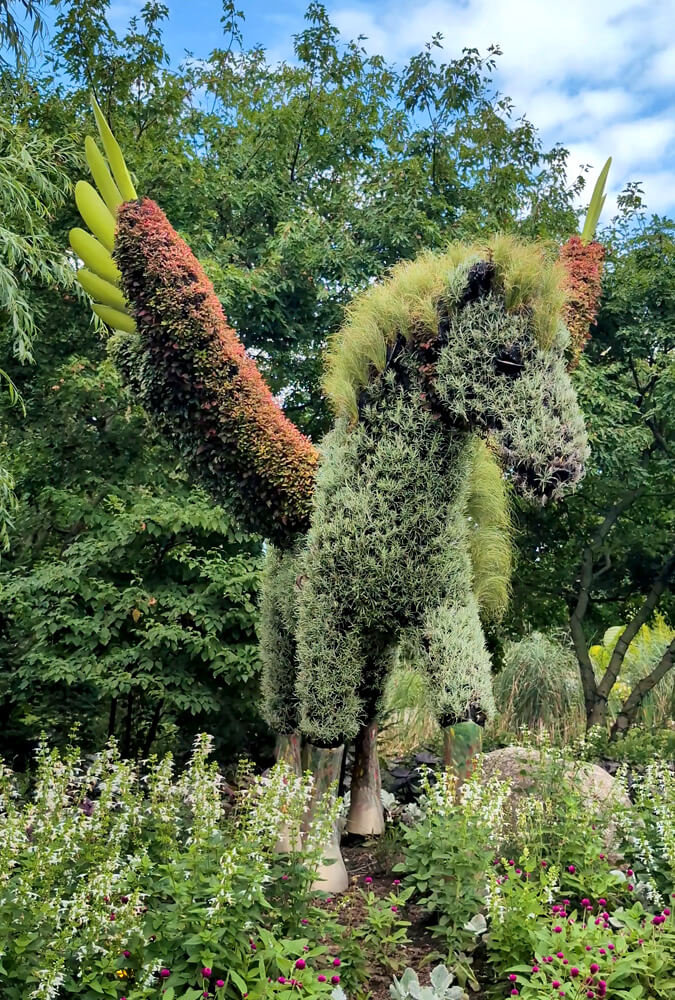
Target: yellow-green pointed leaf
[(94, 255), (596, 204), (115, 318), (101, 290), (101, 174), (114, 154), (95, 213)]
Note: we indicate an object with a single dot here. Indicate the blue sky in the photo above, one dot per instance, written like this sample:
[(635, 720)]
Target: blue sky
[(596, 75)]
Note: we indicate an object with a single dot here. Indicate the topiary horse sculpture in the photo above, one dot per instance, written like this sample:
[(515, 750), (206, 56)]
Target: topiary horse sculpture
[(448, 380)]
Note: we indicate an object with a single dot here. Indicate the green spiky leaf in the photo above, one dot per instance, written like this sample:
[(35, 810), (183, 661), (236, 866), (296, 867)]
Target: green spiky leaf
[(596, 205)]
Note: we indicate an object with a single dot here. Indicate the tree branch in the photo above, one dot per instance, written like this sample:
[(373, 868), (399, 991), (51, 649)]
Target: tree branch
[(629, 709), (583, 599), (634, 626)]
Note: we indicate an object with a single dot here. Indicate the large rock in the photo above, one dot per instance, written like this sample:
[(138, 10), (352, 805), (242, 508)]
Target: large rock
[(529, 771)]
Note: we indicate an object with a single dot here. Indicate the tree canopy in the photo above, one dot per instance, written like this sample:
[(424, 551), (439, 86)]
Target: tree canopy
[(296, 183)]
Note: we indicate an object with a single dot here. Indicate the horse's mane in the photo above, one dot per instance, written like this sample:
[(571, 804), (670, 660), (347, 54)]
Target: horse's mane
[(406, 304)]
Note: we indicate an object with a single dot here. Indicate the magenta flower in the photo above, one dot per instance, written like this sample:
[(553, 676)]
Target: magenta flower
[(571, 869), (321, 979), (535, 968), (557, 929), (396, 881), (281, 979), (206, 972), (394, 909), (165, 973), (336, 962), (367, 880), (335, 980), (574, 971), (220, 983), (555, 984), (514, 993), (559, 954), (602, 902), (126, 953), (300, 964), (595, 967), (666, 912), (513, 977)]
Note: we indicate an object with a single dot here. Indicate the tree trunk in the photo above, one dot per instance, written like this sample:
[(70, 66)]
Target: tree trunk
[(325, 766), (112, 717), (126, 746), (366, 816), (152, 729), (461, 746), (629, 709)]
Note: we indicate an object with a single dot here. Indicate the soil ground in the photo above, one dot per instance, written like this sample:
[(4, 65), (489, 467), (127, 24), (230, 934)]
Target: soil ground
[(363, 861)]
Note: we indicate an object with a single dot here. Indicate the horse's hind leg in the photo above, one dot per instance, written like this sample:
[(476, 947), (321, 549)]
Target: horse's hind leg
[(278, 615)]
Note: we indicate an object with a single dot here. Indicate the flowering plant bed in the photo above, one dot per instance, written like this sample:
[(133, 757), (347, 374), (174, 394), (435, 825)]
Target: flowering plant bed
[(129, 882)]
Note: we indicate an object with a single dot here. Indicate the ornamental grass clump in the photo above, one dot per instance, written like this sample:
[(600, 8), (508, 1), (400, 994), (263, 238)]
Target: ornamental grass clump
[(119, 881), (538, 688)]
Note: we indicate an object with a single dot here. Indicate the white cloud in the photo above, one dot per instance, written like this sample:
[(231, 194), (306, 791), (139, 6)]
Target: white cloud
[(588, 73)]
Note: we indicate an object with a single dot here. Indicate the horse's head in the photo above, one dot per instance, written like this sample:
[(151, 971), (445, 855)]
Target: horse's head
[(483, 326), (500, 367)]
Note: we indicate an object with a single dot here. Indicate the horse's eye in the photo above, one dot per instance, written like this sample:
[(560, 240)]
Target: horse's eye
[(509, 360)]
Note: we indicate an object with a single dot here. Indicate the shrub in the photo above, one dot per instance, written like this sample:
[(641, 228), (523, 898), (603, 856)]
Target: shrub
[(115, 883), (449, 851), (648, 829), (539, 688)]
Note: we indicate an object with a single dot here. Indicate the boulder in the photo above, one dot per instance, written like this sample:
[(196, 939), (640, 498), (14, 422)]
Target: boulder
[(528, 771)]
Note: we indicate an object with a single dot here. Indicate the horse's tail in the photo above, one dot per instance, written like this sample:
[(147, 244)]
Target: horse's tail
[(184, 361)]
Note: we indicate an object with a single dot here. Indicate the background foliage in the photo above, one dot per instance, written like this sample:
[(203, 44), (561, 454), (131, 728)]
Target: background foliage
[(296, 183)]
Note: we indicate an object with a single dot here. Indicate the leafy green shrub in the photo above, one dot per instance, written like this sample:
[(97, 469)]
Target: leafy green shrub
[(538, 688), (449, 851), (145, 620), (118, 883), (639, 746)]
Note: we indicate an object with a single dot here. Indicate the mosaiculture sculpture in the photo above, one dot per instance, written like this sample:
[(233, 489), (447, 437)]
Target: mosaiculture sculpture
[(450, 385)]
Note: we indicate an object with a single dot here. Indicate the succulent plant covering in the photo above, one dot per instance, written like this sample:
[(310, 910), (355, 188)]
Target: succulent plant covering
[(388, 556), (206, 392), (583, 264), (185, 363)]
